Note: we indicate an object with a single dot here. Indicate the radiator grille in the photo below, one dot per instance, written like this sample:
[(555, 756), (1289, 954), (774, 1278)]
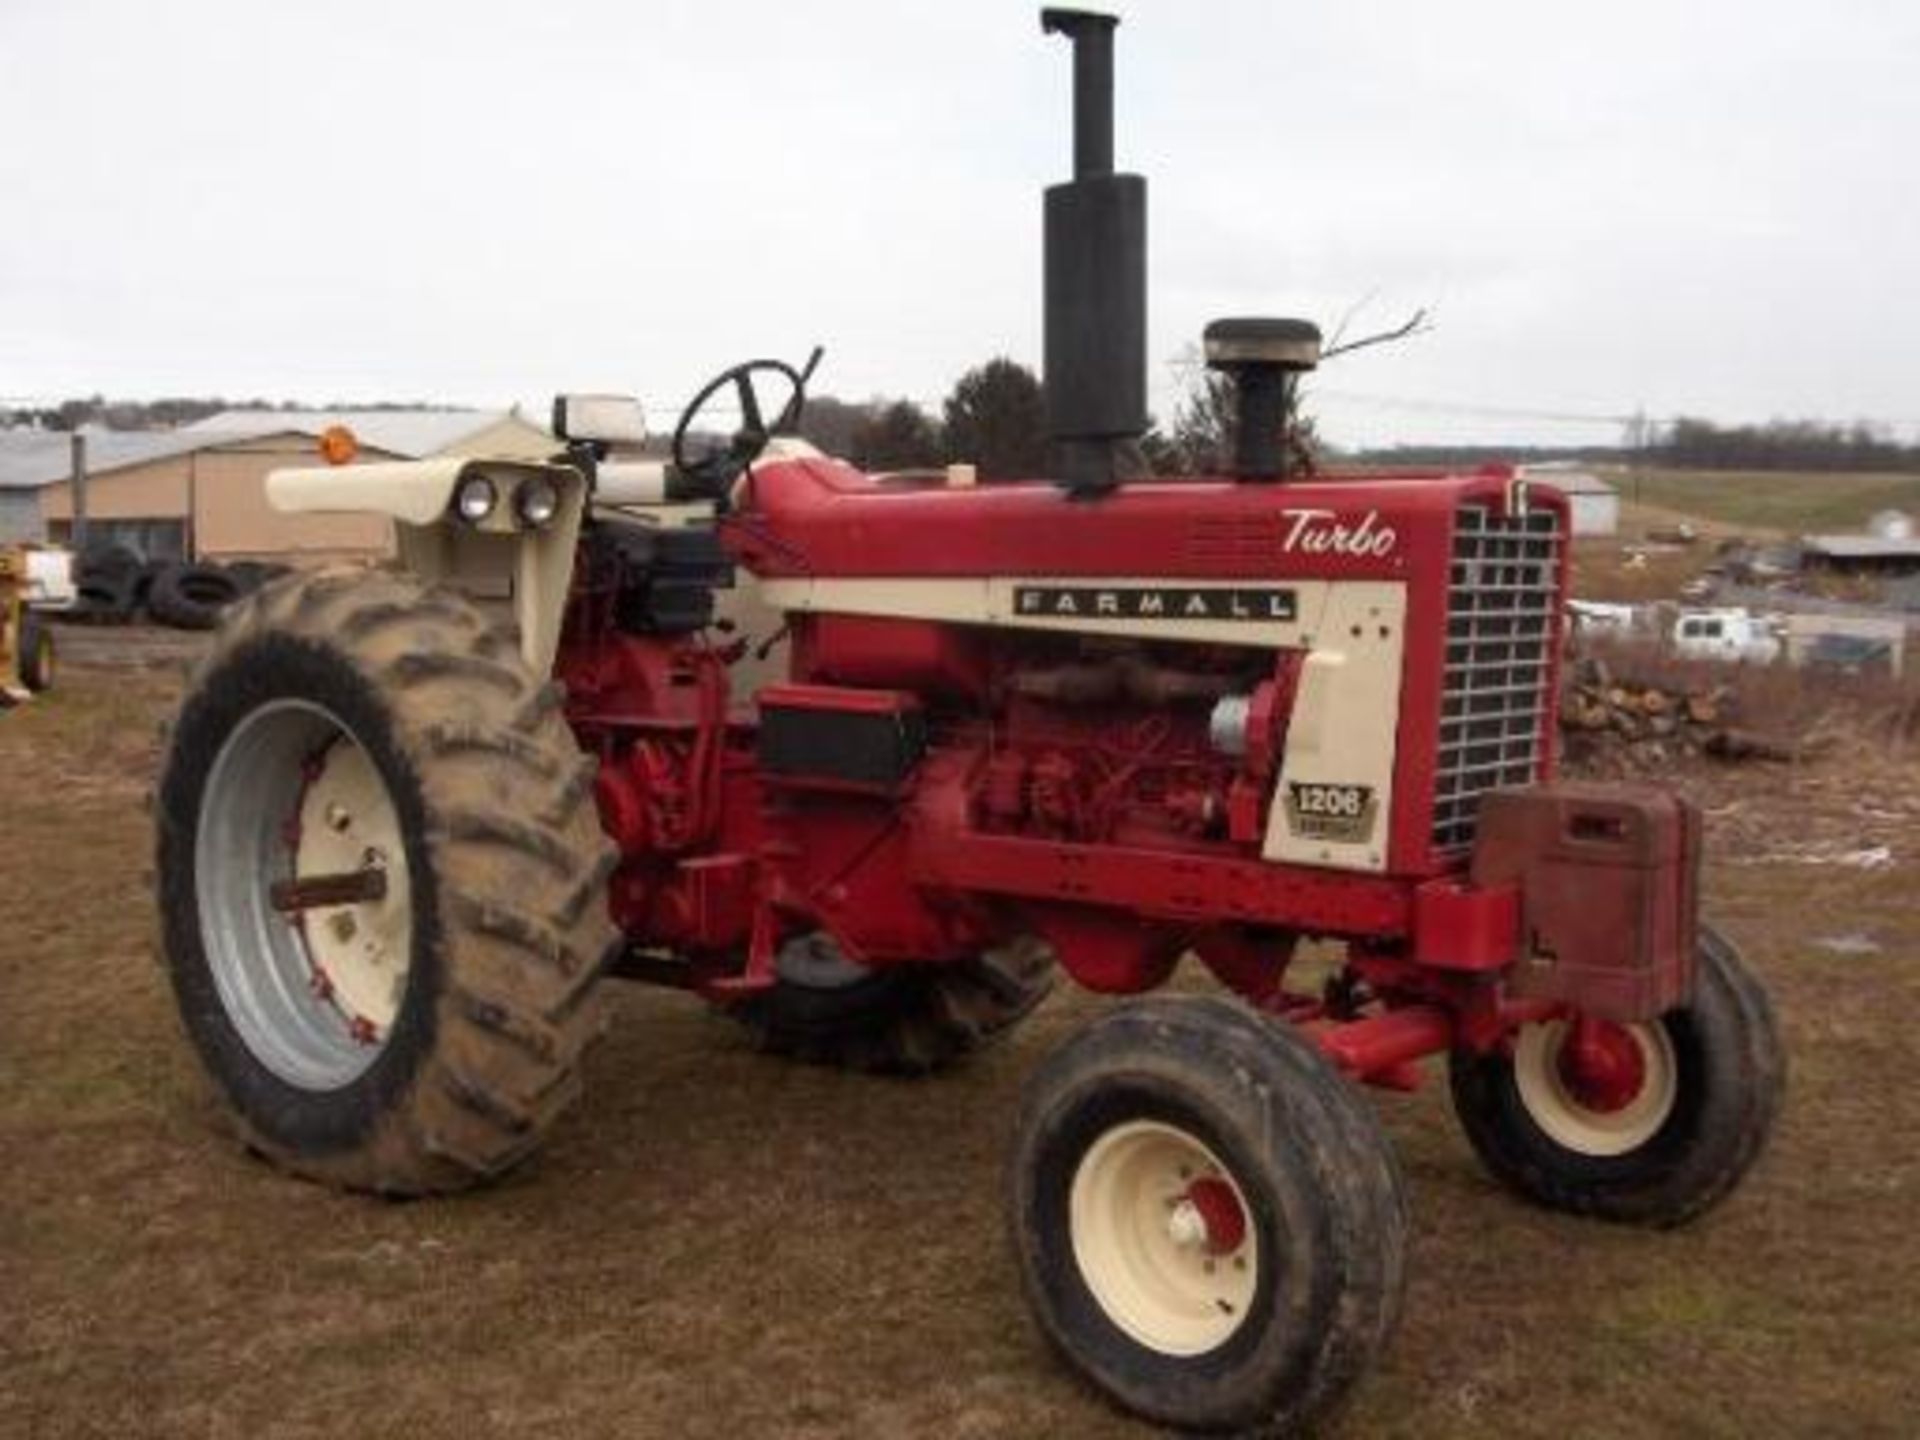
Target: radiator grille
[(1500, 639)]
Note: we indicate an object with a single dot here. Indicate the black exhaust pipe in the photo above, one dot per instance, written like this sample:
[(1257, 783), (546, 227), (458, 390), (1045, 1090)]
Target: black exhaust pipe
[(1096, 281)]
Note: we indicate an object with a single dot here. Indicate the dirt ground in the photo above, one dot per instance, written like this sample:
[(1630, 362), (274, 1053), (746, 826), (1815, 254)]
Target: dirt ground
[(717, 1244)]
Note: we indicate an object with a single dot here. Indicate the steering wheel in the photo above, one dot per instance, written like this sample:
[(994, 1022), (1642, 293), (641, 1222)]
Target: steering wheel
[(715, 471)]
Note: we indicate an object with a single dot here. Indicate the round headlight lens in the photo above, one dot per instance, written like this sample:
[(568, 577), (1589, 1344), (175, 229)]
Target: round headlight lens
[(537, 501), (475, 499)]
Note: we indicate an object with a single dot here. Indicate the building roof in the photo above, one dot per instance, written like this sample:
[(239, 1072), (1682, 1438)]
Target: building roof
[(409, 433), (1567, 479), (33, 459), (1864, 547)]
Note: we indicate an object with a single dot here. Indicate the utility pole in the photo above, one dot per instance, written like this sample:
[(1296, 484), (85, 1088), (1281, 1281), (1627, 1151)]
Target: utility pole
[(79, 488), (1639, 438)]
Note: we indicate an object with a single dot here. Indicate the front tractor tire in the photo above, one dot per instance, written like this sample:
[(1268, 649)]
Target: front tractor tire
[(37, 662), (1209, 1222), (906, 1020), (382, 884), (1660, 1129)]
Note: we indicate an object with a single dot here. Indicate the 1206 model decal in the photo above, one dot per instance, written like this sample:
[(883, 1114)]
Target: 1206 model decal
[(1320, 811)]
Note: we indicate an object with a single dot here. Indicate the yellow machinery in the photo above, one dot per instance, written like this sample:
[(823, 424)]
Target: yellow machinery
[(26, 642)]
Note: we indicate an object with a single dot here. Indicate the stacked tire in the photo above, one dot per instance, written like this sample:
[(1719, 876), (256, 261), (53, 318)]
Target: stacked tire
[(109, 581), (116, 587), (191, 597)]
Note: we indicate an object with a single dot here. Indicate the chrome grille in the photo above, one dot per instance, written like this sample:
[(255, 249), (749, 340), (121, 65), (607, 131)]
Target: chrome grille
[(1500, 637)]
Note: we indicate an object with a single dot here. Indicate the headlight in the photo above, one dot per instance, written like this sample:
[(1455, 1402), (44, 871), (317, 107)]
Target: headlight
[(537, 501), (475, 499)]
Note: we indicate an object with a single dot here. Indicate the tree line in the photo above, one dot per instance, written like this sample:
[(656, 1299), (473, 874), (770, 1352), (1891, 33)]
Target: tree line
[(1695, 444), (168, 413), (995, 418)]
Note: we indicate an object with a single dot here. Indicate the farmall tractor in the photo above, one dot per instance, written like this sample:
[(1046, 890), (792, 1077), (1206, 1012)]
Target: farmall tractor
[(412, 820)]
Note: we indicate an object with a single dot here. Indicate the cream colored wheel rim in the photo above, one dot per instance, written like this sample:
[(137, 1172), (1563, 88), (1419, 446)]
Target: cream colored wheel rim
[(314, 991), (1558, 1111), (1164, 1273), (361, 953)]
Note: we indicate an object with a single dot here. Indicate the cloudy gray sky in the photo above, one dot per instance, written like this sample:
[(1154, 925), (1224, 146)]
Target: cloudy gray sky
[(1703, 208)]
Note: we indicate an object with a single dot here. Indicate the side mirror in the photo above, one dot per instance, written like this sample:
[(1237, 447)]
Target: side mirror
[(600, 419)]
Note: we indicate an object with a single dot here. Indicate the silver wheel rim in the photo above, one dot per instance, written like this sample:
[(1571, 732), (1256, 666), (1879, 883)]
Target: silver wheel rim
[(1576, 1126), (313, 994), (1148, 1255), (814, 962)]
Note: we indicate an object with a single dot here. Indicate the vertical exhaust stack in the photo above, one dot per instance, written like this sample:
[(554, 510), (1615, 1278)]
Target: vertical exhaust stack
[(1096, 280)]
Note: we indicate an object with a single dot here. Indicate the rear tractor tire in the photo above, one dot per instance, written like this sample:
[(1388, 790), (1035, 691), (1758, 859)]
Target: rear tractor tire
[(1686, 1110), (906, 1020), (382, 884), (1209, 1222)]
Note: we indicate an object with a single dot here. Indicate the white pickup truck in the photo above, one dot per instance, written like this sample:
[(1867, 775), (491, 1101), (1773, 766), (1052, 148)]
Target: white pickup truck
[(1730, 634)]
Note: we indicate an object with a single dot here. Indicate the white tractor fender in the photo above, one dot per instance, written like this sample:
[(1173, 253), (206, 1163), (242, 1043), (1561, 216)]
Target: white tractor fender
[(416, 492), (500, 562)]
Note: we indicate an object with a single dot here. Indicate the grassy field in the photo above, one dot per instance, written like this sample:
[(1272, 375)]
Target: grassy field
[(719, 1245), (1763, 502)]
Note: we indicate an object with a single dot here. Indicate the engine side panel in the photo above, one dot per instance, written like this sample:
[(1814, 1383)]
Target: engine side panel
[(1337, 780)]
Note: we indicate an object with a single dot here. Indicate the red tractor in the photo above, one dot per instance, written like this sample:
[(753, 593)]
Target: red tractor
[(945, 738)]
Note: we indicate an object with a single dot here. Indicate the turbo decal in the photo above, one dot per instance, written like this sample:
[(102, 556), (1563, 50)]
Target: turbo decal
[(1325, 532)]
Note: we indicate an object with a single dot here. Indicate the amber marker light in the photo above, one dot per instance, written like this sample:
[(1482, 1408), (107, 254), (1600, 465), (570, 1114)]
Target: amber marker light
[(338, 445)]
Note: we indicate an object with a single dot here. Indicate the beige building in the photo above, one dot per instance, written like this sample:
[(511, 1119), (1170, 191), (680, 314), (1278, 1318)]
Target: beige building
[(200, 491)]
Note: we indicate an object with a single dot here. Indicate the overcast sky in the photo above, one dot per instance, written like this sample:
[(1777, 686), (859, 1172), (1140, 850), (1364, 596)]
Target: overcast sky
[(1706, 208)]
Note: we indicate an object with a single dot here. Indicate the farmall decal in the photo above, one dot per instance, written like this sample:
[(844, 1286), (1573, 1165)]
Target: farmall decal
[(1343, 814), (1156, 602), (1328, 532)]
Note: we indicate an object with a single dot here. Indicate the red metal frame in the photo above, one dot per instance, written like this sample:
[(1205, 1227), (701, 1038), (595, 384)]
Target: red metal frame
[(1114, 830)]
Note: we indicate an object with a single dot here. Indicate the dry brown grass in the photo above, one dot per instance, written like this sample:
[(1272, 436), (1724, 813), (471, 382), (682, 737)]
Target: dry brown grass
[(1762, 502), (722, 1245), (1608, 570)]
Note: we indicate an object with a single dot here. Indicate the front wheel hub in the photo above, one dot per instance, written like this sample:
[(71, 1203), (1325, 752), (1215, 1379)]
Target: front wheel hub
[(1595, 1087), (1161, 1236), (1601, 1065), (1214, 1208)]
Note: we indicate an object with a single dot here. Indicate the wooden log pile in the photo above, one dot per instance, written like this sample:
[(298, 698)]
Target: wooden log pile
[(1611, 722)]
